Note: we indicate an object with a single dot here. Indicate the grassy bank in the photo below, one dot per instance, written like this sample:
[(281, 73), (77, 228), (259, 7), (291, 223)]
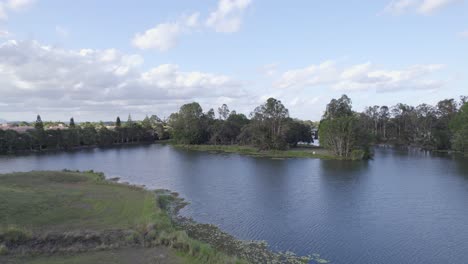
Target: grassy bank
[(72, 217), (299, 152)]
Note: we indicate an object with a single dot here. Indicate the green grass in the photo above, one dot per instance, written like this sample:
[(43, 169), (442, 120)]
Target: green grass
[(299, 152), (39, 202), (119, 256), (69, 201)]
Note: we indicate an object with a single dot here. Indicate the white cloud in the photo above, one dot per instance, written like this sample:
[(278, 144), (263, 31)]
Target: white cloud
[(34, 77), (13, 5), (360, 77), (421, 6), (309, 76), (429, 6), (164, 36), (179, 83), (227, 17), (4, 33), (399, 6), (19, 4)]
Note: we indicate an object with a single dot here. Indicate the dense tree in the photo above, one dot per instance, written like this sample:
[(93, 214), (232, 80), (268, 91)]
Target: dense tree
[(223, 112), (459, 127), (39, 125), (118, 123), (189, 125), (338, 108), (84, 134), (72, 123), (268, 125), (298, 131), (39, 135), (226, 130), (343, 131)]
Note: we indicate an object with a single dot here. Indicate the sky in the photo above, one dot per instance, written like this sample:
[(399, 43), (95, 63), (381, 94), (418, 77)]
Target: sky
[(95, 60)]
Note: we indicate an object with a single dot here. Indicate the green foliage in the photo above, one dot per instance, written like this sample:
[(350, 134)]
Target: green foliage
[(298, 131), (13, 235), (338, 108), (85, 134), (3, 250), (72, 123), (342, 132), (190, 124), (459, 127), (39, 125), (425, 126), (267, 128)]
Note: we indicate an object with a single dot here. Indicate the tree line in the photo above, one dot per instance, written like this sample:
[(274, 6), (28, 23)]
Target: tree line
[(438, 127), (349, 134), (84, 134), (269, 126), (346, 133)]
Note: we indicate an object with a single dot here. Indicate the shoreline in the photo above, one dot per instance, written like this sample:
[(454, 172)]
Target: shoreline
[(115, 145), (251, 250), (297, 152), (191, 240)]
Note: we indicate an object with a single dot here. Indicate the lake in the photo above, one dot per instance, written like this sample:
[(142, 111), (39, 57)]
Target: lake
[(401, 207)]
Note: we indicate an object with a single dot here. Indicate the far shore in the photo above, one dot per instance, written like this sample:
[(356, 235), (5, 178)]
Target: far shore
[(305, 151)]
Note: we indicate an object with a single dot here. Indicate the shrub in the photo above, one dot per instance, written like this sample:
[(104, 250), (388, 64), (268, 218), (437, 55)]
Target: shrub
[(3, 250), (14, 235), (164, 201)]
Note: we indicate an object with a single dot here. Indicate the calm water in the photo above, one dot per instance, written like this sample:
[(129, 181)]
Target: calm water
[(401, 207)]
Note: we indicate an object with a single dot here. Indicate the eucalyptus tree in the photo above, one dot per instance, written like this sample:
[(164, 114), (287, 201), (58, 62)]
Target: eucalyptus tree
[(223, 112), (459, 127), (268, 125), (189, 125), (342, 131)]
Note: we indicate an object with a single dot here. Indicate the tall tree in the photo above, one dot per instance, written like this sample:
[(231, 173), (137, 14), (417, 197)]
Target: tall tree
[(446, 111), (39, 125), (39, 133), (118, 123), (72, 123), (268, 125), (342, 131), (223, 112), (189, 124), (338, 108), (459, 127)]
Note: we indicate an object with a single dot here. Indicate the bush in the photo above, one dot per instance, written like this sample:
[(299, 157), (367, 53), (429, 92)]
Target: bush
[(133, 238), (164, 201), (14, 235), (3, 250), (359, 154)]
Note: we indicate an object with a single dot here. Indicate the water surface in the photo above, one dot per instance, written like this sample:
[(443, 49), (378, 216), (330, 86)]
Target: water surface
[(401, 207)]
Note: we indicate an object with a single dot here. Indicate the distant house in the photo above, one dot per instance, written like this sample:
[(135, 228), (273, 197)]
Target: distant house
[(19, 129), (57, 127)]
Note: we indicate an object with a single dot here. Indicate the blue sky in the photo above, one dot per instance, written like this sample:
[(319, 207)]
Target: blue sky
[(95, 60)]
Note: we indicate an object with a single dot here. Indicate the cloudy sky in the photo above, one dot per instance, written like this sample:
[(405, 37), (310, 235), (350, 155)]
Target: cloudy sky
[(95, 60)]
